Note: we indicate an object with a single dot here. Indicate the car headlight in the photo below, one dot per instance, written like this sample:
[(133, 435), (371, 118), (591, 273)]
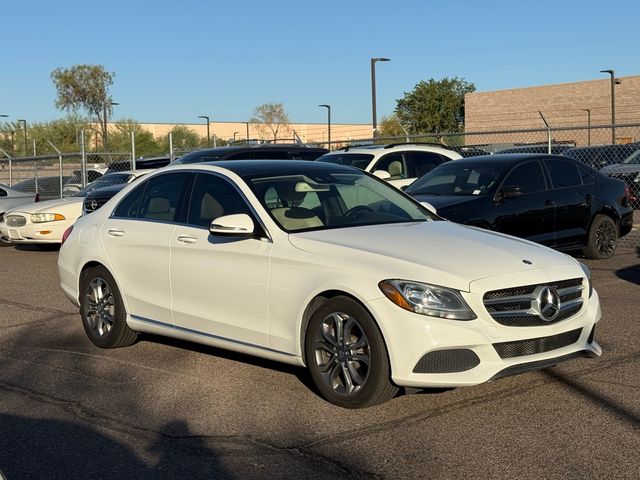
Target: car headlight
[(427, 299), (587, 273), (46, 217)]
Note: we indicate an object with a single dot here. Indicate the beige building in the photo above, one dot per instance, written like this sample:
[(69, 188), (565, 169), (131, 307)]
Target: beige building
[(307, 132), (574, 104)]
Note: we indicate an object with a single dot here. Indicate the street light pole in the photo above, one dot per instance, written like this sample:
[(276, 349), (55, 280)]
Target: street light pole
[(208, 131), (24, 127), (588, 110), (613, 103), (373, 92), (328, 107), (247, 123), (234, 136)]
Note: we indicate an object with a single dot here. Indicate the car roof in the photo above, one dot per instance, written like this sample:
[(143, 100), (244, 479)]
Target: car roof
[(505, 159), (110, 190), (278, 167)]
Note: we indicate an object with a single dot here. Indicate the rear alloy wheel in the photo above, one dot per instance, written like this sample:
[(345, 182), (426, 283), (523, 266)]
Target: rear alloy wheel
[(346, 355), (603, 237), (102, 310)]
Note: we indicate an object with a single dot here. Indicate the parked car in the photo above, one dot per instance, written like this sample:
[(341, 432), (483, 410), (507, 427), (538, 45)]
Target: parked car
[(45, 222), (628, 171), (10, 198), (469, 151), (74, 184), (96, 199), (322, 265), (249, 152), (549, 199), (556, 149), (599, 156), (47, 187), (400, 163), (141, 164)]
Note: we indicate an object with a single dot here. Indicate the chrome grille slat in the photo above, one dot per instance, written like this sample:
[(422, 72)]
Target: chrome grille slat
[(515, 307)]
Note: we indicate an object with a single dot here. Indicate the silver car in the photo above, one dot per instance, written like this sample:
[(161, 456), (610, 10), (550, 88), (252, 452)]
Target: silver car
[(10, 198)]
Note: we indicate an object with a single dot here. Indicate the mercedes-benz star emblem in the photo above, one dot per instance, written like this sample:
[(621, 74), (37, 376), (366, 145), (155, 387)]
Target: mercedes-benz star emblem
[(548, 304), (94, 205)]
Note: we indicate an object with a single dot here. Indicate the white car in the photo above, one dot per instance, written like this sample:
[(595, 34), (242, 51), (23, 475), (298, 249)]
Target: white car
[(45, 222), (284, 260), (399, 164)]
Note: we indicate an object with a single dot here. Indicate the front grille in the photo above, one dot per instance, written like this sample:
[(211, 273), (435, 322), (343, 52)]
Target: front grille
[(93, 204), (15, 221), (517, 306), (531, 346), (447, 361)]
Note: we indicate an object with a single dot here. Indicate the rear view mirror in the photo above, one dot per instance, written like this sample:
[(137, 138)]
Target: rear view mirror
[(382, 174), (238, 225)]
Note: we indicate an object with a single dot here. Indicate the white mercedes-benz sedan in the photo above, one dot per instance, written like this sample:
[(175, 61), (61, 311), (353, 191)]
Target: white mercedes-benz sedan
[(327, 267)]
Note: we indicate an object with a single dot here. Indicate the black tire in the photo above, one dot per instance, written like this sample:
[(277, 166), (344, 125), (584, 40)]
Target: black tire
[(602, 238), (103, 317), (341, 358)]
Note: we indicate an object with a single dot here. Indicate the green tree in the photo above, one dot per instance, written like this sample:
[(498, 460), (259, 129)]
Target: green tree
[(270, 117), (146, 144), (85, 87), (184, 138), (63, 133), (390, 127), (435, 105)]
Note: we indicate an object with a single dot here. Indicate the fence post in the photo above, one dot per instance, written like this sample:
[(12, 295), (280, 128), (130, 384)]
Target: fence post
[(133, 150), (171, 146), (10, 165), (60, 164), (83, 159), (548, 132)]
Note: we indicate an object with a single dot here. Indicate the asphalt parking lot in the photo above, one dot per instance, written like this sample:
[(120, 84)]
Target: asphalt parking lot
[(169, 409)]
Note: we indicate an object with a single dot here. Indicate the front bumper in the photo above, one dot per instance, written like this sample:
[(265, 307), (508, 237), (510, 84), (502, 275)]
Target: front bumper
[(47, 232), (465, 353)]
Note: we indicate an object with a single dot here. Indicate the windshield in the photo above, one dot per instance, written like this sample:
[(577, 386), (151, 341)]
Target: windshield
[(320, 201), (452, 179), (104, 181), (358, 160), (633, 159)]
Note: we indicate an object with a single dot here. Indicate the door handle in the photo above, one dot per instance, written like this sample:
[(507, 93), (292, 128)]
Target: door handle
[(186, 239), (114, 232), (549, 203), (588, 198)]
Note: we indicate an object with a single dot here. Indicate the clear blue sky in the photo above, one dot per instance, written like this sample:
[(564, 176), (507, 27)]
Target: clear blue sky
[(175, 60)]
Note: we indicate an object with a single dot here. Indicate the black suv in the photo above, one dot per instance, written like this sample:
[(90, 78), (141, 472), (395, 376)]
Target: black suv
[(249, 152), (599, 156), (549, 199)]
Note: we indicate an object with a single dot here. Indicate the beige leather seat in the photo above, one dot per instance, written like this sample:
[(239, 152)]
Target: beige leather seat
[(290, 216), (159, 208), (396, 170), (210, 208)]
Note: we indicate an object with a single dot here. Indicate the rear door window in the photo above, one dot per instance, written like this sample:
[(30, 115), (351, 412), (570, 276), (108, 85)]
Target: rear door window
[(162, 197), (419, 163), (563, 173)]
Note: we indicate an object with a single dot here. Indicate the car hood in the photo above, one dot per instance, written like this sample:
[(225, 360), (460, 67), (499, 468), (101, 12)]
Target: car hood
[(51, 206), (444, 201), (621, 168), (439, 252)]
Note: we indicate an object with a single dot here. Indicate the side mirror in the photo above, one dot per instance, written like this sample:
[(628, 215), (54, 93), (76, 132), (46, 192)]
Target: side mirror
[(382, 174), (510, 192), (238, 225), (429, 207)]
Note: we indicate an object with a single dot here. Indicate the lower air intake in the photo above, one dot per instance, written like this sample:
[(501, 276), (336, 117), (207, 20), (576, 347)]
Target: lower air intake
[(447, 361)]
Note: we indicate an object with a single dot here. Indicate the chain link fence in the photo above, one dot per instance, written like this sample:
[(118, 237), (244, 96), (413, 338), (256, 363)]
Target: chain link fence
[(592, 145), (53, 176)]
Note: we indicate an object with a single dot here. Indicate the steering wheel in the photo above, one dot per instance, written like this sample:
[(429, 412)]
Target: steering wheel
[(355, 211)]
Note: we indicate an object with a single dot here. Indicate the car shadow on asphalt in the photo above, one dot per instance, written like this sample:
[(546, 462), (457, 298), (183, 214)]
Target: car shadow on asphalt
[(50, 448), (630, 274), (596, 397), (300, 373), (54, 247)]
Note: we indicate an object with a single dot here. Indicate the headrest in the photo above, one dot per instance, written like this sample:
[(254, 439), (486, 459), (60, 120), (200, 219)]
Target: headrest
[(158, 205)]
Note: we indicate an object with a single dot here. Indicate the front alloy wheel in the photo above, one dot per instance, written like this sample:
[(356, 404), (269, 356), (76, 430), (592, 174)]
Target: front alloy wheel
[(342, 353), (346, 355)]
